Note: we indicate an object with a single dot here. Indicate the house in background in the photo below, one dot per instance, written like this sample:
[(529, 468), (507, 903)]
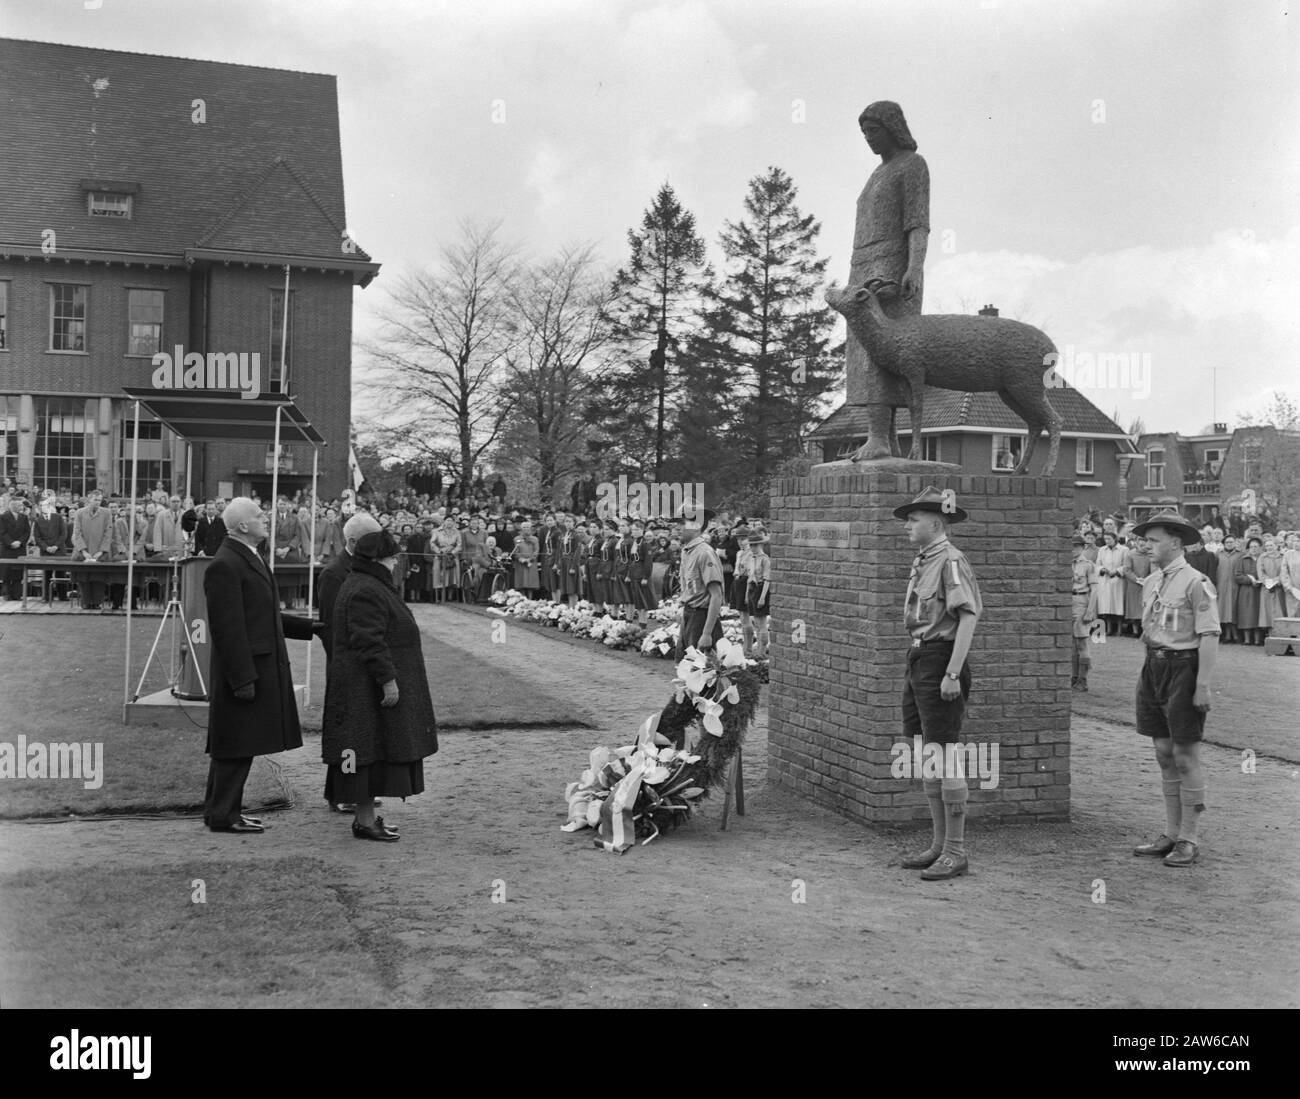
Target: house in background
[(1224, 477), (979, 433), (153, 203), (1180, 471)]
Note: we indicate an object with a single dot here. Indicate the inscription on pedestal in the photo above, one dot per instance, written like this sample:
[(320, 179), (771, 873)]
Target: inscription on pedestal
[(826, 535)]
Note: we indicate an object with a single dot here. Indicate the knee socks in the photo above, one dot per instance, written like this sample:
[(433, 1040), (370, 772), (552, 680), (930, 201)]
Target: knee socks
[(954, 794), (1193, 804), (933, 792), (1173, 806)]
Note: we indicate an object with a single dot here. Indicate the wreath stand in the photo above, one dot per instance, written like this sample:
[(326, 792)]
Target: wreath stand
[(736, 786)]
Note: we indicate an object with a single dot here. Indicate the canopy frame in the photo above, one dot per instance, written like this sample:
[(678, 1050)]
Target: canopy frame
[(205, 416)]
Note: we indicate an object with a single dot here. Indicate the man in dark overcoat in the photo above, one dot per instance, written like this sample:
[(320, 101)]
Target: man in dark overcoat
[(15, 531), (252, 710)]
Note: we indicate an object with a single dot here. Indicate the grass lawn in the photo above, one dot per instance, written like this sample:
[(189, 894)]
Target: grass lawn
[(274, 934), (61, 680)]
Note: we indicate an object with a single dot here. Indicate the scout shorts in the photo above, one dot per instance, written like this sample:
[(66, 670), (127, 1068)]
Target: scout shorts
[(925, 713), (1164, 697)]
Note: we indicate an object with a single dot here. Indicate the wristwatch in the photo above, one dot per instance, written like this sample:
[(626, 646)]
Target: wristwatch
[(952, 676)]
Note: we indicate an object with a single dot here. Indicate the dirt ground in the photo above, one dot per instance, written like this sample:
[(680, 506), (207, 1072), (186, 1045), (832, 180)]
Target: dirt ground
[(485, 902)]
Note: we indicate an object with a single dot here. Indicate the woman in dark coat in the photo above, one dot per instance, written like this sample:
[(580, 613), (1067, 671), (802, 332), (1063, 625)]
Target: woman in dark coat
[(548, 553), (640, 566), (570, 552), (620, 585), (593, 586), (377, 702), (605, 567), (1245, 591)]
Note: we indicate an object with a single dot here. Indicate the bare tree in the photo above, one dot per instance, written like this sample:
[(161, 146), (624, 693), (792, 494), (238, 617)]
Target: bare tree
[(560, 308), (440, 361)]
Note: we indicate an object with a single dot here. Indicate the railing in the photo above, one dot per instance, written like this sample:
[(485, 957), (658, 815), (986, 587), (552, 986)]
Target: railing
[(1200, 488)]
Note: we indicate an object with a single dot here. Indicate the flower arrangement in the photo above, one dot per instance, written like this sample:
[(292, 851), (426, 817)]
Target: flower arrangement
[(641, 790), (583, 619)]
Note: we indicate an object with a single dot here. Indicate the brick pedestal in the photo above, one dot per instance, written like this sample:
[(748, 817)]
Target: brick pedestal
[(839, 646)]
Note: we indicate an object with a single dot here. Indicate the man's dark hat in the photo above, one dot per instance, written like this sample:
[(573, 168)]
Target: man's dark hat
[(1077, 540), (1172, 522), (695, 515), (377, 545), (931, 499)]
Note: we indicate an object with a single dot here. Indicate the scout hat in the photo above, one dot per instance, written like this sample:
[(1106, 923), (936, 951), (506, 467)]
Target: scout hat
[(757, 538), (931, 499), (696, 516), (1172, 522)]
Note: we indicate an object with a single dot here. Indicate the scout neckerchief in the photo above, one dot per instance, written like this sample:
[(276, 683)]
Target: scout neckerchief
[(916, 572), (1158, 606)]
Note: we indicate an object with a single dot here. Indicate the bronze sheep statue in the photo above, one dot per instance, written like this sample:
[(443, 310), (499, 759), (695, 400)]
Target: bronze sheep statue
[(971, 354)]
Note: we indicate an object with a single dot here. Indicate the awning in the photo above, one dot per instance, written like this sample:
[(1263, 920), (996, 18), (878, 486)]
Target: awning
[(223, 416)]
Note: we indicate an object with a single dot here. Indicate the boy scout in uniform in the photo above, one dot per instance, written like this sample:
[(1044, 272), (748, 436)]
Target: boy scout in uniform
[(940, 611), (701, 580), (1180, 627), (1083, 602)]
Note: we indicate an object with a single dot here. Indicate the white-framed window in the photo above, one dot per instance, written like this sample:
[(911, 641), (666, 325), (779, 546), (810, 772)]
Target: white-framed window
[(1252, 455), (144, 322), (1156, 467), (1083, 456), (108, 204), (154, 452), (68, 307), (1006, 451), (1213, 461)]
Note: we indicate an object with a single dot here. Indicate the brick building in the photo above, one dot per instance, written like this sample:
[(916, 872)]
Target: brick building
[(1222, 477), (977, 432), (154, 203)]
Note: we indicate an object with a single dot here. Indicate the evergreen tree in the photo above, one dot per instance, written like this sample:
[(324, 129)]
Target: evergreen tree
[(765, 345), (655, 300)]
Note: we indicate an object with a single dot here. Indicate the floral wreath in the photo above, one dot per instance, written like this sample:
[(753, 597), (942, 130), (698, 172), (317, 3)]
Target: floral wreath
[(640, 790)]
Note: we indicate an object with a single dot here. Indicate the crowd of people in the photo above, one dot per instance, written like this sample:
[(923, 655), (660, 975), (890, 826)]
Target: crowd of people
[(1256, 575), (458, 551)]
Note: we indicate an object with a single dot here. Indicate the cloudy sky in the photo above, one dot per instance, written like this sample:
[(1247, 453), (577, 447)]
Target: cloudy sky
[(1125, 175)]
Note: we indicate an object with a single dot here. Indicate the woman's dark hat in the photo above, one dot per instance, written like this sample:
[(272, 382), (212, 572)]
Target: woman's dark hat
[(931, 499), (377, 545), (1172, 522)]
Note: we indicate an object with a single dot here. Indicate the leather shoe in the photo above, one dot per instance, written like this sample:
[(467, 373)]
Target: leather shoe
[(1185, 853), (386, 827), (945, 867), (1159, 847), (374, 832), (921, 861), (239, 826)]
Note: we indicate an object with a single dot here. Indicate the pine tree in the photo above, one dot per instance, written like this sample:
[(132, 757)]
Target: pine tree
[(766, 336), (656, 299)]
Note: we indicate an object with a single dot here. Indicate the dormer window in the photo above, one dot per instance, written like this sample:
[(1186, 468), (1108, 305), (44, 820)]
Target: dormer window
[(110, 198), (108, 204)]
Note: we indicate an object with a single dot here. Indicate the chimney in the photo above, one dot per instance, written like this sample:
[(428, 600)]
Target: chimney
[(989, 311), (1220, 429)]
